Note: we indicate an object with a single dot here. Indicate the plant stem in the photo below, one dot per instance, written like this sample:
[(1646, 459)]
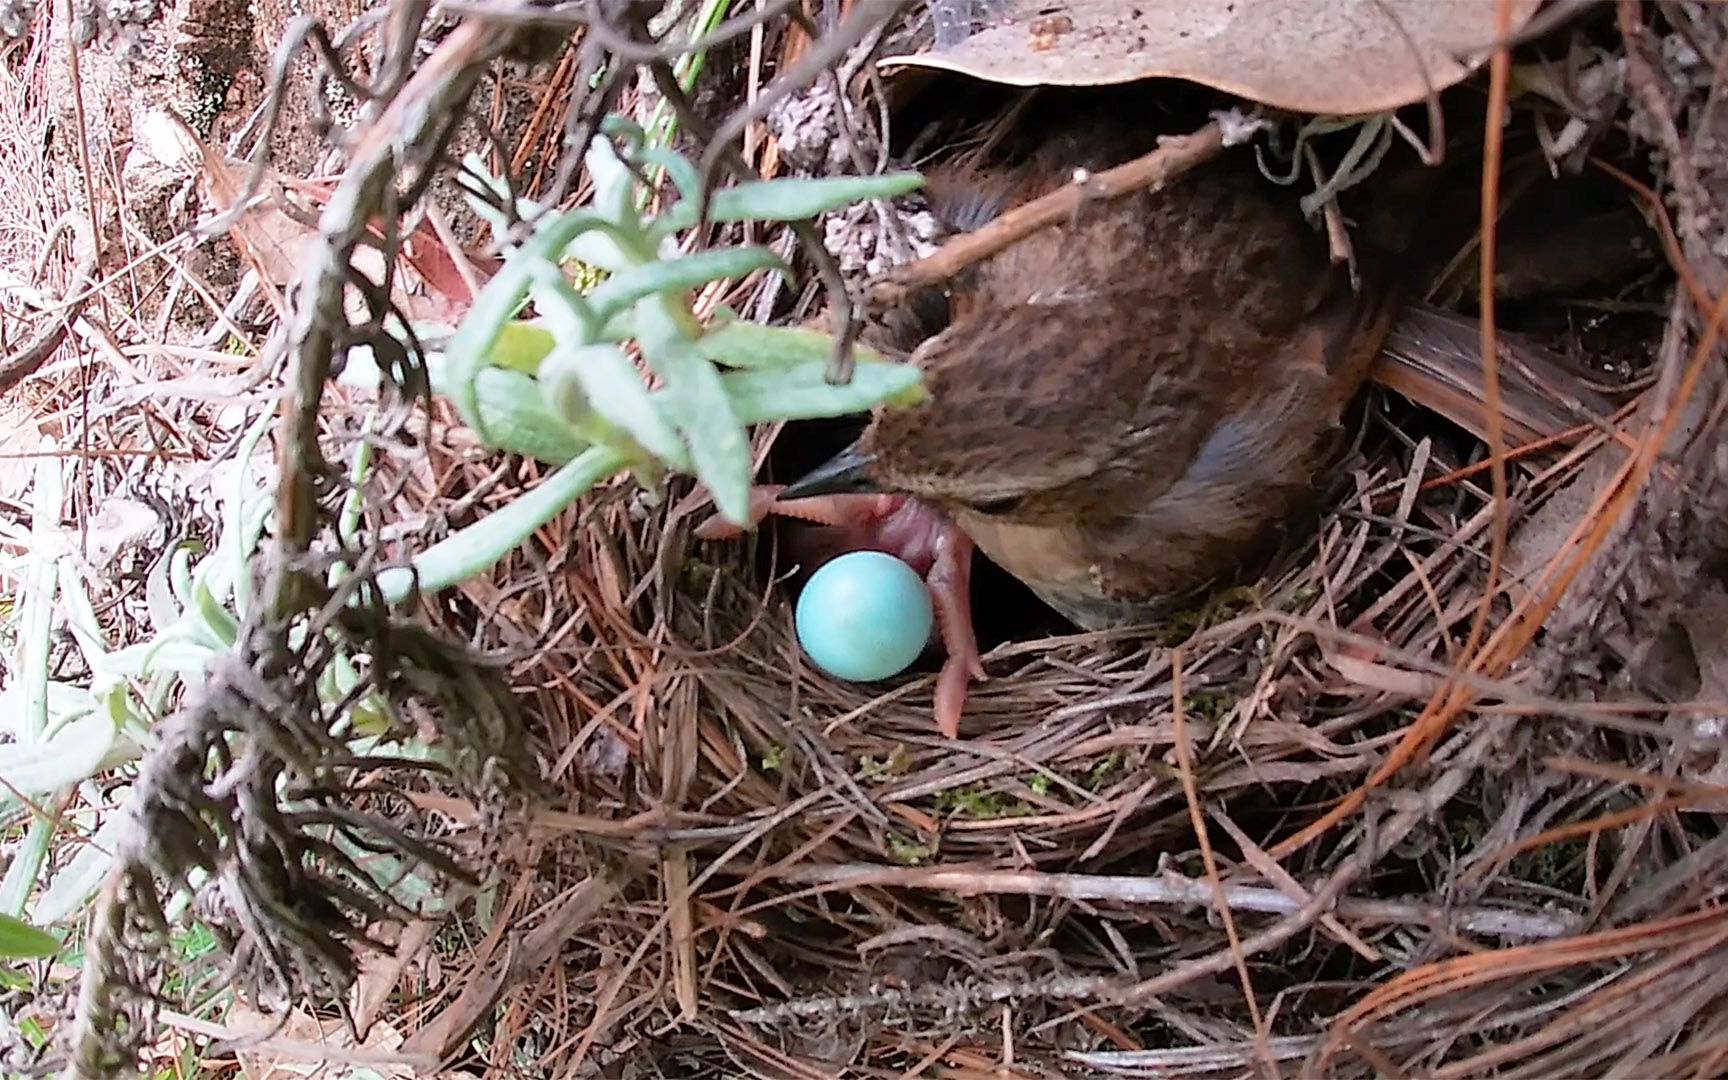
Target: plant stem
[(471, 550)]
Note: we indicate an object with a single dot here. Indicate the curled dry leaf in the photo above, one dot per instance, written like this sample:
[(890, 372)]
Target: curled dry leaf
[(275, 244), (119, 525), (1339, 57), (272, 1047)]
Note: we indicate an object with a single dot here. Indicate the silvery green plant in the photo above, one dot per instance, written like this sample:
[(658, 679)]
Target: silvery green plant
[(561, 387), (63, 734)]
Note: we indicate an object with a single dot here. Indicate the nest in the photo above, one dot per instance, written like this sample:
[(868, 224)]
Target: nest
[(1347, 818), (1116, 870), (870, 876)]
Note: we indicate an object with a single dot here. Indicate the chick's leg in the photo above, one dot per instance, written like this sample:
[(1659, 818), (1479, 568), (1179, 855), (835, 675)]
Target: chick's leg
[(914, 532), (950, 584)]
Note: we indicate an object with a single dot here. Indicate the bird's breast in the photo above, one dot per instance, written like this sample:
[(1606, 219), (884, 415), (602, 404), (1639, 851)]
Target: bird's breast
[(1136, 542), (1058, 563), (1042, 556)]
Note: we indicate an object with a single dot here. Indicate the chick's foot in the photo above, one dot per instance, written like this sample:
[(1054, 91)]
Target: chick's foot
[(918, 534)]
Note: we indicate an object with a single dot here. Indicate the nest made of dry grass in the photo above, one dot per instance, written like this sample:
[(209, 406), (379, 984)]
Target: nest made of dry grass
[(1109, 873), (1111, 864), (916, 881), (1118, 871)]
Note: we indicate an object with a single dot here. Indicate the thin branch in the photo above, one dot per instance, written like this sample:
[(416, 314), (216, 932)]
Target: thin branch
[(1169, 889), (25, 362), (1174, 156)]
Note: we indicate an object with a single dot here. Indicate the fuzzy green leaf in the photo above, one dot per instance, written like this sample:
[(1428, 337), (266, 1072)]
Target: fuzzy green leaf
[(522, 424), (77, 881), (461, 555), (741, 344), (612, 179), (521, 346), (598, 378), (677, 275), (803, 392), (793, 198), (516, 415), (697, 402), (470, 347), (69, 756), (217, 621), (612, 387), (21, 941), (788, 199), (684, 175)]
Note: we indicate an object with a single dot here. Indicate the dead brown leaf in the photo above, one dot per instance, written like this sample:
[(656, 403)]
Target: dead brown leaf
[(1337, 57), (274, 244)]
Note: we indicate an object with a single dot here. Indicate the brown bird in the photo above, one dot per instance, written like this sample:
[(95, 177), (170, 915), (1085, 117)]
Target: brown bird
[(1126, 407), (1122, 407)]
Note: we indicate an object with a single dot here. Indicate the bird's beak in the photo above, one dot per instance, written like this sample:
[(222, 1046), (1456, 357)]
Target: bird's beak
[(846, 473)]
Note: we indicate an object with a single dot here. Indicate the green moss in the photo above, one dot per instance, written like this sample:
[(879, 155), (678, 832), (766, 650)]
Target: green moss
[(905, 850), (1299, 596), (695, 577), (1558, 865), (979, 801), (1181, 624), (1103, 769), (869, 768), (1208, 705)]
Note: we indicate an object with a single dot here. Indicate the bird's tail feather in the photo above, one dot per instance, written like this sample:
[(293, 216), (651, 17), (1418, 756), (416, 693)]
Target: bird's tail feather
[(1433, 358), (1424, 222)]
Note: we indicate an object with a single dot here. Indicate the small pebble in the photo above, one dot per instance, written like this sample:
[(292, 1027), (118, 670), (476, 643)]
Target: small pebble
[(864, 616)]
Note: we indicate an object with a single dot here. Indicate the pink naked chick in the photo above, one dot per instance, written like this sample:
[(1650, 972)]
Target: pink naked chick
[(898, 525)]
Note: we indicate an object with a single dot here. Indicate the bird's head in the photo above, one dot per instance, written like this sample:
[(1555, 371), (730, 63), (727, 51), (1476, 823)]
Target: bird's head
[(1024, 418)]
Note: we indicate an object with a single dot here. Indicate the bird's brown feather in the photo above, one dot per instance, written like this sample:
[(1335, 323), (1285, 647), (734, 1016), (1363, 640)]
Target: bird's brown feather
[(1134, 402)]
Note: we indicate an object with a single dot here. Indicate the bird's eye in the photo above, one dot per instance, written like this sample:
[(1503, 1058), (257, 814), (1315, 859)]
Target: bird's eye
[(1006, 505)]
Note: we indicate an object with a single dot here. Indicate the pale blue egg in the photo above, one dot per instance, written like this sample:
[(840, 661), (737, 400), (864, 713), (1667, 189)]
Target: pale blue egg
[(864, 616)]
